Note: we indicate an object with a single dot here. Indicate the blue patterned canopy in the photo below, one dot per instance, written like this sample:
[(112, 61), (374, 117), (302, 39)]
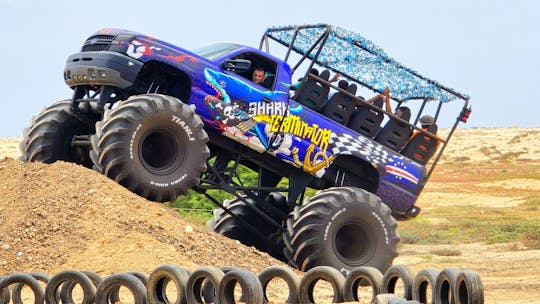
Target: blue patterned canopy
[(358, 58)]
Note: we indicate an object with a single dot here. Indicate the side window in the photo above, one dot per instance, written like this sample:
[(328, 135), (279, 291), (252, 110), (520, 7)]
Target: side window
[(262, 71)]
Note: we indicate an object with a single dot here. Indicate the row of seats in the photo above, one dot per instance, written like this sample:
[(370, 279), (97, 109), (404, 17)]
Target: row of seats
[(344, 109), (341, 107)]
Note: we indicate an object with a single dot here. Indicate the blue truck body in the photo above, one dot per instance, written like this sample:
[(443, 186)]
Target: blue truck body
[(249, 113)]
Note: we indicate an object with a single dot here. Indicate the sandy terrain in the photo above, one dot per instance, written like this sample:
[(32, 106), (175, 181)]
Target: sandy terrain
[(63, 216)]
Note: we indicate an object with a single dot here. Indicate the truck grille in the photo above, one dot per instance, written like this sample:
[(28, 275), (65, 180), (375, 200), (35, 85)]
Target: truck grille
[(97, 43)]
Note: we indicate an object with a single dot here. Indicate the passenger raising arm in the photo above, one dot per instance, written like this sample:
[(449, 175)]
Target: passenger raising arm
[(386, 98)]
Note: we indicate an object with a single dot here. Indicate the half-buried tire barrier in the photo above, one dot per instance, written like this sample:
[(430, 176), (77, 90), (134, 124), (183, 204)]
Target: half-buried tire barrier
[(362, 276), (230, 284), (204, 278), (115, 282), (115, 293), (286, 274), (25, 279), (66, 291), (70, 277), (161, 277), (326, 273), (446, 285), (251, 287), (398, 273), (424, 285), (4, 294), (469, 288), (16, 292)]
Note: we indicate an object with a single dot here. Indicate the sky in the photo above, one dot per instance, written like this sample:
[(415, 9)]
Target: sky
[(488, 49)]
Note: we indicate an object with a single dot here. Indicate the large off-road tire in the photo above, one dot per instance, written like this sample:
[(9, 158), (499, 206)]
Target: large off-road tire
[(232, 227), (154, 145), (50, 136), (342, 227)]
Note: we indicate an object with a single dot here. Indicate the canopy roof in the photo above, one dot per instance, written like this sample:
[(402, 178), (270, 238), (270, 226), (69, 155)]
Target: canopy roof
[(358, 58)]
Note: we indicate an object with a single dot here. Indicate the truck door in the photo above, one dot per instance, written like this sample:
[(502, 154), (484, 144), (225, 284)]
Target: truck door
[(243, 108)]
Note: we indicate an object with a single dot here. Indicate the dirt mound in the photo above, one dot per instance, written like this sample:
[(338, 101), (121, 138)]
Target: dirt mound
[(63, 216)]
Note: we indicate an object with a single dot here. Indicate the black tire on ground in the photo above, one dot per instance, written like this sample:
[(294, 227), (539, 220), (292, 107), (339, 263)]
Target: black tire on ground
[(115, 293), (251, 287), (94, 277), (143, 277), (66, 291), (268, 241), (114, 282), (446, 285), (16, 292), (217, 214), (50, 136), (286, 274), (205, 277), (71, 277), (362, 276), (4, 294), (312, 276), (469, 288), (342, 227), (209, 291), (395, 273), (424, 281), (27, 280), (160, 277), (153, 144)]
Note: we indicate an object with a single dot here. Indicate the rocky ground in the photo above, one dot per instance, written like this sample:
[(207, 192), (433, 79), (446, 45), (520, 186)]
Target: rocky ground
[(62, 216)]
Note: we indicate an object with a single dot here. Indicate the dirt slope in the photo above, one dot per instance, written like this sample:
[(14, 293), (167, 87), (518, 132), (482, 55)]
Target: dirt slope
[(64, 216)]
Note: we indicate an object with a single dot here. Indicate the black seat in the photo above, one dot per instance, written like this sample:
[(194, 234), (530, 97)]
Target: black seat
[(268, 82), (340, 107), (313, 94), (367, 121), (395, 134), (422, 146)]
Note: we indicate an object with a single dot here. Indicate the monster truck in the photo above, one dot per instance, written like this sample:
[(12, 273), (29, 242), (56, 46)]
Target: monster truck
[(161, 120)]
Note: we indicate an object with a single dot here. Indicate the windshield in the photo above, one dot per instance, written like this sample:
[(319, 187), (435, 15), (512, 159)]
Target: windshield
[(213, 51)]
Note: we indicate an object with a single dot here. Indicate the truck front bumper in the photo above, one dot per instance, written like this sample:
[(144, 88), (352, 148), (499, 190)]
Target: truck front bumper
[(101, 68)]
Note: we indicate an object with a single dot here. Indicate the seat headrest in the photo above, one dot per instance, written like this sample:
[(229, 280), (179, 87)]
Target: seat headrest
[(325, 75), (268, 82), (406, 113), (433, 129), (343, 84), (352, 89)]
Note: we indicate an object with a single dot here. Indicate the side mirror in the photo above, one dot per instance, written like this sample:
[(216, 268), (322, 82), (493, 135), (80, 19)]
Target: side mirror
[(237, 65)]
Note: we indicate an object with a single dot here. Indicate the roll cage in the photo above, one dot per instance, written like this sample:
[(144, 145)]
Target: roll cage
[(362, 62)]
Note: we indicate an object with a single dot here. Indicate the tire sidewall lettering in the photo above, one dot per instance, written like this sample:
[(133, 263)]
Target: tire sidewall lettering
[(168, 184), (132, 140), (383, 226), (332, 219), (184, 126), (179, 180)]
